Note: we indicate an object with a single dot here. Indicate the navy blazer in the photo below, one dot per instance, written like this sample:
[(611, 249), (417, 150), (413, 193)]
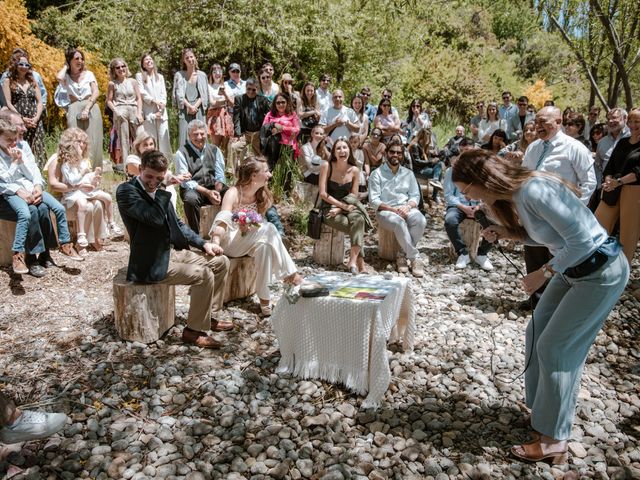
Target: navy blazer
[(153, 227)]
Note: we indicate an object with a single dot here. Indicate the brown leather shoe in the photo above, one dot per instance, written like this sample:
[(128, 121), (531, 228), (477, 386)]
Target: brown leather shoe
[(222, 325), (199, 339), (68, 250), (18, 263)]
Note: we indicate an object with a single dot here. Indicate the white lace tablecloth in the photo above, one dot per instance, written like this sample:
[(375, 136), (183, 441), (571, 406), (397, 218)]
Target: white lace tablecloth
[(345, 340)]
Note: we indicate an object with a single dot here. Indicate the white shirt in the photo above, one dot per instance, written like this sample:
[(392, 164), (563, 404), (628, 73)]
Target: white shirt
[(14, 176), (566, 157), (330, 116), (325, 99), (82, 88), (154, 90)]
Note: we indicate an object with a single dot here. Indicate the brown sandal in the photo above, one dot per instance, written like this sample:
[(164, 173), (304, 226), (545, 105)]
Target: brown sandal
[(222, 325), (532, 452)]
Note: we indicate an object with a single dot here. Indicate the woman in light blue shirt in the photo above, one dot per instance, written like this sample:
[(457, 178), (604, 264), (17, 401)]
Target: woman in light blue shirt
[(588, 273)]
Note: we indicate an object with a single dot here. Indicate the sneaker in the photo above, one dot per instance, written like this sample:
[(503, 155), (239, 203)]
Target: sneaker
[(37, 270), (18, 263), (45, 260), (68, 250), (32, 426), (484, 263), (463, 261), (401, 264), (116, 231), (417, 268)]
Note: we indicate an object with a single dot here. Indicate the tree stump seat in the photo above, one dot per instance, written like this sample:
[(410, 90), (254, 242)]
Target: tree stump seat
[(207, 216), (307, 193), (241, 281), (329, 249), (388, 246), (7, 234)]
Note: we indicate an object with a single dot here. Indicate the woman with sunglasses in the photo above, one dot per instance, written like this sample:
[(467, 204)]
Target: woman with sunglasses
[(588, 273), (79, 87), (283, 121), (374, 150), (125, 101), (219, 121), (357, 105), (268, 88), (190, 93), (286, 87), (23, 96), (417, 119), (490, 124), (387, 121), (308, 110)]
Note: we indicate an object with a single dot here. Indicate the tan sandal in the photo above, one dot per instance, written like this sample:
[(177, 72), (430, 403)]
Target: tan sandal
[(532, 452)]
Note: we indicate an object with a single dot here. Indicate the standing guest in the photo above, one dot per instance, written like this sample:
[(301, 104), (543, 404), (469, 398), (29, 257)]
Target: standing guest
[(190, 93), (36, 76), (549, 103), (587, 272), (283, 121), (394, 195), (204, 163), (125, 101), (324, 95), (219, 120), (235, 84), (574, 127), (417, 119), (460, 208), (556, 152), (516, 123), (154, 103), (357, 105), (621, 188), (268, 67), (308, 110), (249, 111), (451, 147), (514, 152), (314, 152), (386, 120), (592, 119), (596, 133), (24, 200), (387, 94), (565, 114), (339, 120), (268, 88), (373, 150), (262, 242), (616, 130), (474, 122), (339, 178), (490, 124), (22, 95), (80, 87), (507, 109), (286, 87), (497, 141), (154, 228), (369, 108), (95, 225)]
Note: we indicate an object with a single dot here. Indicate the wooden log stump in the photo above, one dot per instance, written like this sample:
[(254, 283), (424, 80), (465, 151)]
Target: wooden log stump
[(307, 193), (329, 249), (7, 234), (241, 281), (470, 233), (207, 216), (425, 189), (142, 312), (388, 246)]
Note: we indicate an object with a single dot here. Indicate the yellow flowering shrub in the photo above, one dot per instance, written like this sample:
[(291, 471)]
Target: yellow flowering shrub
[(538, 93)]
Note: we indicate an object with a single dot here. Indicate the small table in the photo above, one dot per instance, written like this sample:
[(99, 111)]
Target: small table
[(343, 339)]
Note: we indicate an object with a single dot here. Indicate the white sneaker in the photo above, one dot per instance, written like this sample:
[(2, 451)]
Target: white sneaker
[(484, 263), (31, 426), (463, 261), (417, 267), (401, 264)]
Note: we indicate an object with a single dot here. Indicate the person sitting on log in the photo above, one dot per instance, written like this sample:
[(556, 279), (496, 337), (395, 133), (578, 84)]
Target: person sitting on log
[(154, 228)]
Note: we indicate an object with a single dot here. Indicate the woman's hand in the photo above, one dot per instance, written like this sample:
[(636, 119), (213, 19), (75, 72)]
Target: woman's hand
[(334, 211), (84, 114), (16, 154), (610, 184), (494, 233), (533, 281), (87, 187)]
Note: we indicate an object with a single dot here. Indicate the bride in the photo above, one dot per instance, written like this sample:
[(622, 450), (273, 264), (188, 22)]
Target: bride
[(259, 240)]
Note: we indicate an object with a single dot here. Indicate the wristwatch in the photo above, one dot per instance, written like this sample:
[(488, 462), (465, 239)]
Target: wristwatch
[(619, 182), (547, 271)]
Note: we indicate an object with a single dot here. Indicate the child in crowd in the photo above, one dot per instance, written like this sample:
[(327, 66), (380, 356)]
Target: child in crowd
[(76, 172)]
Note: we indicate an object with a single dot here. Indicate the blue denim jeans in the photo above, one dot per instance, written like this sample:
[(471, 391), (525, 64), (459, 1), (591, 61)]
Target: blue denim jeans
[(272, 216), (33, 224)]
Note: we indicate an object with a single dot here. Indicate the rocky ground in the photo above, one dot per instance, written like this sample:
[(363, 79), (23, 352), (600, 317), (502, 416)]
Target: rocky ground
[(453, 409)]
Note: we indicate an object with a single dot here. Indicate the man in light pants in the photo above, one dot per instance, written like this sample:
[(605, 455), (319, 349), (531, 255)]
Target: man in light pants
[(394, 195)]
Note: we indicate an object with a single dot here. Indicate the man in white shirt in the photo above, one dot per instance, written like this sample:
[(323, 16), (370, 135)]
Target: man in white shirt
[(235, 84), (558, 153), (338, 120), (323, 95), (617, 129), (394, 195)]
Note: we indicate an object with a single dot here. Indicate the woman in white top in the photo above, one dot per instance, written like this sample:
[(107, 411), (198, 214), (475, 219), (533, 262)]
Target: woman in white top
[(219, 121), (490, 124), (79, 85), (314, 152), (357, 105), (190, 94), (154, 103)]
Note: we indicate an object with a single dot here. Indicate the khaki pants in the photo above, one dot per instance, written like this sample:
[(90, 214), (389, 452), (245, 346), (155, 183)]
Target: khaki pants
[(626, 210), (207, 277), (238, 149)]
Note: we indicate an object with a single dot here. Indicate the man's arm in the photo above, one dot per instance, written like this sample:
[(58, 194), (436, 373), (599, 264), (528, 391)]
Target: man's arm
[(181, 167), (583, 165), (131, 203), (219, 167)]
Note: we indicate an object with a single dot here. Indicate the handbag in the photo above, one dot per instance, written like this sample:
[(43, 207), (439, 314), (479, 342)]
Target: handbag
[(315, 219)]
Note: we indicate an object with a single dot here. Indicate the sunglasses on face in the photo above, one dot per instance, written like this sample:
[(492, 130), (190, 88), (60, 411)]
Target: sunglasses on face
[(252, 89), (376, 135), (395, 152), (235, 71), (365, 94), (265, 78), (386, 96), (506, 97), (24, 64), (120, 67), (281, 102), (287, 83)]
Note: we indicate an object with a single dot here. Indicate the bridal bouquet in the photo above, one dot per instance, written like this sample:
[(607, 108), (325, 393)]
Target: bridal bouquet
[(246, 219)]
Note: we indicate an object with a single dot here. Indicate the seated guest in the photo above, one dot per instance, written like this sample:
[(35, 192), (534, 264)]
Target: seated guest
[(425, 160), (249, 110), (417, 119), (497, 141), (394, 195), (339, 120), (205, 163), (386, 120), (373, 150), (358, 154), (95, 226), (451, 147), (24, 200), (460, 208), (339, 179), (514, 152), (574, 127), (259, 239), (17, 425), (154, 228), (313, 153)]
